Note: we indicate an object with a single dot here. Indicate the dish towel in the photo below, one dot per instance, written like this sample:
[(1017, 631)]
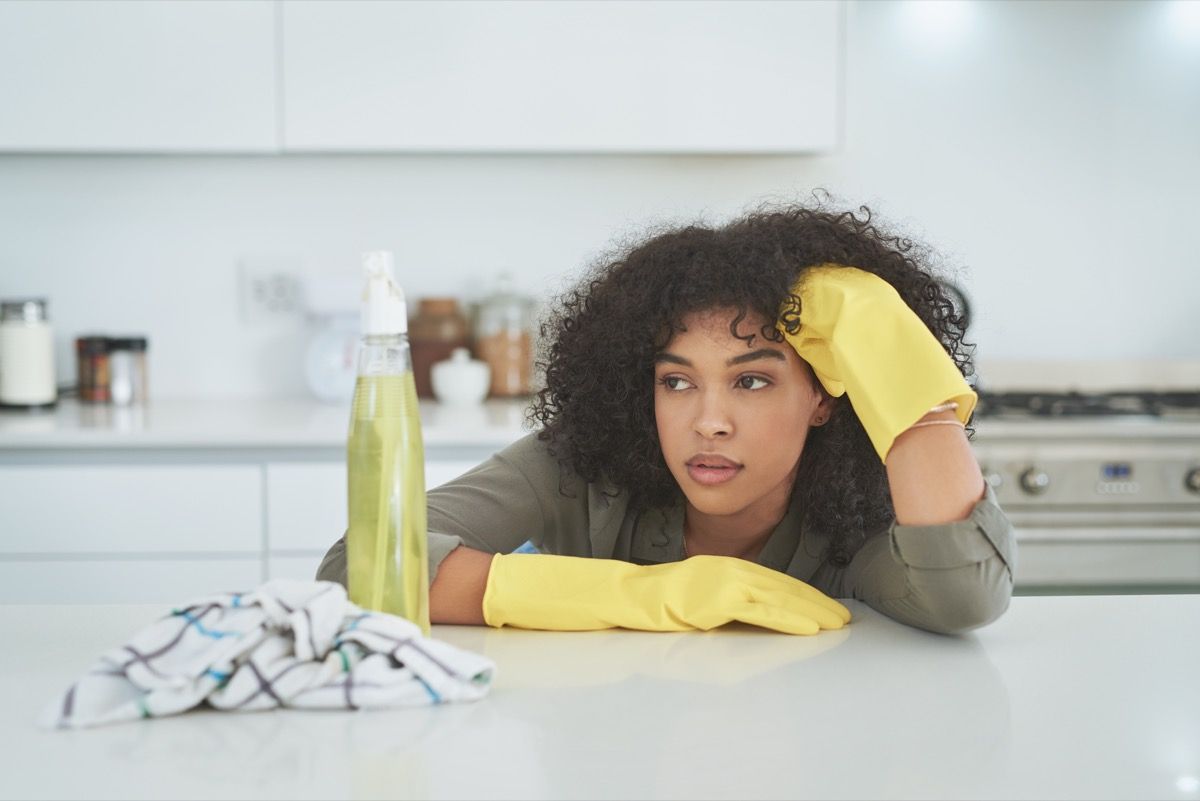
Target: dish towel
[(289, 643)]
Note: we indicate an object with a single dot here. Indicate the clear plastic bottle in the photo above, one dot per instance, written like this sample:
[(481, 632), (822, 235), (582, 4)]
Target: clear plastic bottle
[(387, 542)]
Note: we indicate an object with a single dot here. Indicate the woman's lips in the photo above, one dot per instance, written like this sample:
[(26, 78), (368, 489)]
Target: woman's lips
[(711, 476)]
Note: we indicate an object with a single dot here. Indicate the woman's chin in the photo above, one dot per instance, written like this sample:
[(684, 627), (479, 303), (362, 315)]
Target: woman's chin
[(714, 501)]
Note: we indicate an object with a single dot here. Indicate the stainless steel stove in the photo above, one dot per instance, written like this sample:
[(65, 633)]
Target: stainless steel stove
[(1102, 487), (1020, 405)]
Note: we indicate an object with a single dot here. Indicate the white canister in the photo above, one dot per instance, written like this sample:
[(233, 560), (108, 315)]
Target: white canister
[(27, 376), (460, 380)]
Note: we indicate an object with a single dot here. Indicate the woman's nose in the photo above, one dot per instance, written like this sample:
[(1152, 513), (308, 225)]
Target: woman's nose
[(712, 419)]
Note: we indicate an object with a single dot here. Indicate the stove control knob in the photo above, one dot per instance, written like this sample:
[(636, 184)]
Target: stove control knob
[(1192, 480), (1035, 481), (993, 477)]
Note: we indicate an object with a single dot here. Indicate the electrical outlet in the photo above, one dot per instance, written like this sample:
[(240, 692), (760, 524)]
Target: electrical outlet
[(269, 290)]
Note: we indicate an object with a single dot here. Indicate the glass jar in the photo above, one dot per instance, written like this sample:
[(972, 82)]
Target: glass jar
[(437, 329), (27, 375), (504, 339), (127, 370), (91, 361)]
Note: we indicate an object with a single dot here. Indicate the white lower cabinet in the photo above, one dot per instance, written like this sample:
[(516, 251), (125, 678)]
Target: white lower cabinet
[(72, 533), (294, 565), (109, 509), (124, 581), (307, 507), (154, 528)]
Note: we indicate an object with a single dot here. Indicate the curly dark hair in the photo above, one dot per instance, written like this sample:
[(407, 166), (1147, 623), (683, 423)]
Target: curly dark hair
[(599, 341)]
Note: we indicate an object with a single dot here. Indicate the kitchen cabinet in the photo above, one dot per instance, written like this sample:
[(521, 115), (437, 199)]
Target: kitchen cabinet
[(96, 76), (104, 505), (560, 77), (103, 76), (121, 533), (306, 509), (140, 580), (72, 508)]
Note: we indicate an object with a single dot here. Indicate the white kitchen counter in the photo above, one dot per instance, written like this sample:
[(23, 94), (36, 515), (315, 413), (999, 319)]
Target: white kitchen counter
[(1063, 697), (242, 423)]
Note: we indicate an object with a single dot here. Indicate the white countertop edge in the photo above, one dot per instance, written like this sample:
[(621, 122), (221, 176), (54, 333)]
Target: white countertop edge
[(301, 423), (250, 423)]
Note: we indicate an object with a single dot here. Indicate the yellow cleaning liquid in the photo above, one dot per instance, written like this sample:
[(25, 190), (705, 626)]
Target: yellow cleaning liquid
[(387, 546)]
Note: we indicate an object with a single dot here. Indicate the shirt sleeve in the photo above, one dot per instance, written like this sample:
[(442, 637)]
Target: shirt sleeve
[(494, 507), (947, 578)]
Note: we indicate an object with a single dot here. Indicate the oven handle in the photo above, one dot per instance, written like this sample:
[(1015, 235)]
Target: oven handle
[(1104, 518), (1144, 534)]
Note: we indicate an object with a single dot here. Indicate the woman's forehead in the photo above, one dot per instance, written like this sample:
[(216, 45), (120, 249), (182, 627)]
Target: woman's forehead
[(715, 324)]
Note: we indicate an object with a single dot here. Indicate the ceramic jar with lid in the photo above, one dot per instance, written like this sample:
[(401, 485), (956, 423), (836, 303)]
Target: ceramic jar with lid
[(433, 333), (461, 380)]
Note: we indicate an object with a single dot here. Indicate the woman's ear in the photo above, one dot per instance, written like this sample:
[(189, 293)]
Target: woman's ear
[(825, 405), (823, 411)]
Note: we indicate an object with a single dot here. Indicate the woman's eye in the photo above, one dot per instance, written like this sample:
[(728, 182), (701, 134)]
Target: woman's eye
[(748, 382), (674, 382)]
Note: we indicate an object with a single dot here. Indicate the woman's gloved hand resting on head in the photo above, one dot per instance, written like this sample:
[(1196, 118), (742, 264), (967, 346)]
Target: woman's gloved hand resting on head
[(863, 340)]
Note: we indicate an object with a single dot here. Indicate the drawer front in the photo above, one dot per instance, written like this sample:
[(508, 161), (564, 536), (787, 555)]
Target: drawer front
[(124, 581), (1069, 564), (294, 565), (306, 503), (131, 509)]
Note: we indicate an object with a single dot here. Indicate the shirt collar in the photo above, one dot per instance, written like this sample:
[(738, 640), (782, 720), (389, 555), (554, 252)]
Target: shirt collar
[(658, 537)]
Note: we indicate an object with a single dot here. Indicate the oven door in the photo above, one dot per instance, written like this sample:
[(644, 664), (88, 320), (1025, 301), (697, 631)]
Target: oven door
[(1111, 549)]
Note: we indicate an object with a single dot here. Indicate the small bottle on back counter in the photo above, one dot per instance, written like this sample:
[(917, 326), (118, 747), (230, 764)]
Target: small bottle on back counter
[(91, 357), (386, 542), (127, 370)]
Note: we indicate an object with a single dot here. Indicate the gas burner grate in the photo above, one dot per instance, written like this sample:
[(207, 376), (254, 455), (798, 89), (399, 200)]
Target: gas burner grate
[(1085, 404)]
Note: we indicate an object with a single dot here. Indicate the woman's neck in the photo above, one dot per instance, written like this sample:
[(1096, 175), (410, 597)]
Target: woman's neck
[(742, 534)]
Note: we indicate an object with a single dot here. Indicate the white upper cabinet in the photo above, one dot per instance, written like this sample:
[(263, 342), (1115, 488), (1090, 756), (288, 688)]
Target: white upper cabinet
[(667, 77), (101, 76)]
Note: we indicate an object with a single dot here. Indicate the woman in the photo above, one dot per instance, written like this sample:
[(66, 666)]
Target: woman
[(738, 423)]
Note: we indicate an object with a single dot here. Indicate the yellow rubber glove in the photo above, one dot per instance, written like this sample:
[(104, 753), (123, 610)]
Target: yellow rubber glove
[(569, 593), (861, 338)]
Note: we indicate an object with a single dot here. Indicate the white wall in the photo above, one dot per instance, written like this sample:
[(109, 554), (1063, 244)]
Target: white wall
[(1051, 151)]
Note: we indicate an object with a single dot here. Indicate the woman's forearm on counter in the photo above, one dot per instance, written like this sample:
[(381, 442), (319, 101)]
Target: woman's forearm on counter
[(456, 594)]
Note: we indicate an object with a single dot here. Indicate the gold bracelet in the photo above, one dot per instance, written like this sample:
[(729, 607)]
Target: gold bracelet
[(939, 423), (949, 406)]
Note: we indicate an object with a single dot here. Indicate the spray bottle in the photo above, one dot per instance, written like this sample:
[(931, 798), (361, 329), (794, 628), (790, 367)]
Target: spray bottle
[(387, 544)]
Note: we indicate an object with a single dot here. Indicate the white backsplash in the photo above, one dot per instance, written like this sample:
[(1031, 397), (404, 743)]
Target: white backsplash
[(1059, 186)]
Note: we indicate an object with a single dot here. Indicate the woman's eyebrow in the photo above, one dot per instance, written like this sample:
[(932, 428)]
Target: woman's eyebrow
[(761, 353)]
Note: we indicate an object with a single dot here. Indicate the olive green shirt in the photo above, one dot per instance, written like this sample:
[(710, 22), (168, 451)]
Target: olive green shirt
[(946, 578)]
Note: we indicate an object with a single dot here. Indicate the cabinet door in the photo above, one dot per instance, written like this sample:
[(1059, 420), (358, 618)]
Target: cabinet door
[(124, 581), (99, 75), (126, 509), (549, 76), (306, 503)]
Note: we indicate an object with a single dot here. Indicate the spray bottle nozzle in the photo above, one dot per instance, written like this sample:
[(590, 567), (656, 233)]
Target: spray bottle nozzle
[(384, 310)]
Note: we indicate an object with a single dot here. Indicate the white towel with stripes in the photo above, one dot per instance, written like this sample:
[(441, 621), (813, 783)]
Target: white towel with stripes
[(299, 644)]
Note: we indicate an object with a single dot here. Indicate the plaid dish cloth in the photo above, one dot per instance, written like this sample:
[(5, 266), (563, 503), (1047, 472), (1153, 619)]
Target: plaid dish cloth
[(289, 643)]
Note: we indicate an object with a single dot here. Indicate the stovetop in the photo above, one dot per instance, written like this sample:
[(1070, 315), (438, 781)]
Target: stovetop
[(1182, 405)]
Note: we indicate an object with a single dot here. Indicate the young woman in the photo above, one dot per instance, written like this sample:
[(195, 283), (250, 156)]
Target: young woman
[(738, 423)]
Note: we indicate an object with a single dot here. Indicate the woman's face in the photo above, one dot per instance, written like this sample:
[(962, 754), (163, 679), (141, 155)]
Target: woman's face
[(732, 419)]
